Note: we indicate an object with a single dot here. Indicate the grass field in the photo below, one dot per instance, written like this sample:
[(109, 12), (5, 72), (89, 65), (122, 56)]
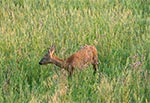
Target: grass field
[(120, 30)]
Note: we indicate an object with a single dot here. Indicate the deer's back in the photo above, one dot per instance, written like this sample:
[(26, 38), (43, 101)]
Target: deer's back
[(83, 57)]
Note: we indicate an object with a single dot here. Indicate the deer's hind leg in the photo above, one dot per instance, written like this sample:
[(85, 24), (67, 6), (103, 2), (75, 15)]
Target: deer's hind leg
[(95, 64), (95, 67)]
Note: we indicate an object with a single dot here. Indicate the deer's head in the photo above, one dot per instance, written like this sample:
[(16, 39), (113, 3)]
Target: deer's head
[(48, 56)]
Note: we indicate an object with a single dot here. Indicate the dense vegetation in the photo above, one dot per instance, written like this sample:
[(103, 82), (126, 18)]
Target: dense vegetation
[(120, 30)]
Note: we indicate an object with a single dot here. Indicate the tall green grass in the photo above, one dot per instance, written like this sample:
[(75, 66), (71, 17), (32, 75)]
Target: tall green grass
[(120, 30)]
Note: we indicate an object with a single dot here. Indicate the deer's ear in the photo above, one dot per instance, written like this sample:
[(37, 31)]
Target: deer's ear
[(52, 50)]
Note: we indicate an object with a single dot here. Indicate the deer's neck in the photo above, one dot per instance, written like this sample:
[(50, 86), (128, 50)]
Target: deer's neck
[(58, 62)]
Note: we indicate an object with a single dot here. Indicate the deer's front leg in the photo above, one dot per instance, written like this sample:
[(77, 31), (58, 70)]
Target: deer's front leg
[(70, 70)]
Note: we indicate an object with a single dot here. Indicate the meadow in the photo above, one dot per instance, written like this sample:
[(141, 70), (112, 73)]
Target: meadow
[(120, 30)]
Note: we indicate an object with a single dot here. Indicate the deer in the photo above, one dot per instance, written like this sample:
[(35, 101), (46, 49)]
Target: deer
[(81, 59)]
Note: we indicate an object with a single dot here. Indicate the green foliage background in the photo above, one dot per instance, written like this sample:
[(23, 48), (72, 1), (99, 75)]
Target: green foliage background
[(120, 30)]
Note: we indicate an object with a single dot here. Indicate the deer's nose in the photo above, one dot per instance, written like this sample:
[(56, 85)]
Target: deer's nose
[(40, 63)]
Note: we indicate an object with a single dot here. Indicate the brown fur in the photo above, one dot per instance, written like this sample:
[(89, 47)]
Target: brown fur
[(85, 56)]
